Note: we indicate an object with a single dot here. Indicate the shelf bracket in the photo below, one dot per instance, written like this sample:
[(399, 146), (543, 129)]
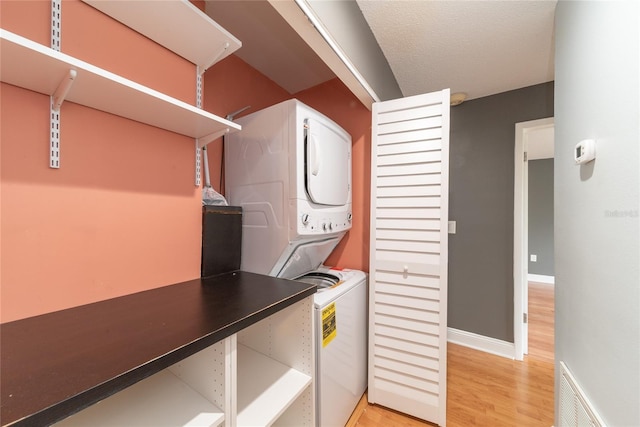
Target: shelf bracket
[(215, 57), (63, 89), (205, 140), (54, 125)]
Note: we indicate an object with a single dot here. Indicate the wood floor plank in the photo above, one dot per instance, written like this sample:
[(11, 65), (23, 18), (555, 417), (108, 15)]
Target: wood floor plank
[(541, 321)]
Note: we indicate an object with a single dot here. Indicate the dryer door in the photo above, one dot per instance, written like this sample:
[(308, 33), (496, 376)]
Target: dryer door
[(327, 164)]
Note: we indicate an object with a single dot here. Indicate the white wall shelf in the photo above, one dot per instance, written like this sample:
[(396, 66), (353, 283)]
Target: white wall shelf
[(266, 388), (41, 69), (198, 38)]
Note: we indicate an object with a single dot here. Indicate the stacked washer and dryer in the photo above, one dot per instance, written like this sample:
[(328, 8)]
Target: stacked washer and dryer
[(290, 171)]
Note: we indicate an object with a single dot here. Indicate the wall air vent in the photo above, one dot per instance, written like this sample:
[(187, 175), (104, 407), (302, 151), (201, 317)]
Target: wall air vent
[(575, 409)]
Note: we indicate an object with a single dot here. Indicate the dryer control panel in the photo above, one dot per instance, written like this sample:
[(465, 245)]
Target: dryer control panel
[(319, 223), (308, 219)]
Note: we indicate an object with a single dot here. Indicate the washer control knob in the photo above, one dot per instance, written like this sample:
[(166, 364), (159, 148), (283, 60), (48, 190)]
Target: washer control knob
[(305, 219), (349, 217), (324, 226), (330, 226)]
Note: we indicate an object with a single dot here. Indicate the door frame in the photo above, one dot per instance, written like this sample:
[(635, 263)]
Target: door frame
[(520, 234)]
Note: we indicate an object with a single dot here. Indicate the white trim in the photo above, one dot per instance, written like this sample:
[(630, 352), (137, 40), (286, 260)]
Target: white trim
[(540, 278), (313, 18), (293, 13), (520, 237), (482, 343)]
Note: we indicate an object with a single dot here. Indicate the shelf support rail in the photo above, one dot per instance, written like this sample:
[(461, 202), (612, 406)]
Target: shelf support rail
[(199, 75), (54, 107)]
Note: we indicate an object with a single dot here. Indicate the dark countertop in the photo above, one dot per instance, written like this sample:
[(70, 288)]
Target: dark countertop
[(59, 363)]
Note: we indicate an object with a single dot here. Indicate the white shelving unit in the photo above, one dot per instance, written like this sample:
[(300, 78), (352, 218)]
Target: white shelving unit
[(267, 379), (41, 69), (198, 38), (182, 395)]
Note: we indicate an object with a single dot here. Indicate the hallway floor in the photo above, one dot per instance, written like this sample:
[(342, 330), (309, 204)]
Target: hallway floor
[(487, 390)]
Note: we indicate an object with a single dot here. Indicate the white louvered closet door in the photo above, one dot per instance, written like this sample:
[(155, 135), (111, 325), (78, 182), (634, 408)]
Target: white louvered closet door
[(408, 261)]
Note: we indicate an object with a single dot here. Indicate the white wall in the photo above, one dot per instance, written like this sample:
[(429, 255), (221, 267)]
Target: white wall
[(596, 206)]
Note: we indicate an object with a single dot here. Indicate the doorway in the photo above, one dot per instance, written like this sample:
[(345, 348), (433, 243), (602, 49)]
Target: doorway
[(534, 140)]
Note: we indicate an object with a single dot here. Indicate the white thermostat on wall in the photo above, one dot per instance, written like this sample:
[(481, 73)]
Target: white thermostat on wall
[(585, 151)]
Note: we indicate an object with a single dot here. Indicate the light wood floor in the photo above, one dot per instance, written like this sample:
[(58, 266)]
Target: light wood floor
[(541, 321), (487, 390)]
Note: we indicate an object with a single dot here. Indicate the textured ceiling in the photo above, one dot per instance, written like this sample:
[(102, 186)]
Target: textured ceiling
[(477, 47)]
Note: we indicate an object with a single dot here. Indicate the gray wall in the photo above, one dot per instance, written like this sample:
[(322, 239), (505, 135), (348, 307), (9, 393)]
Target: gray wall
[(596, 205), (541, 216), (481, 201), (345, 22)]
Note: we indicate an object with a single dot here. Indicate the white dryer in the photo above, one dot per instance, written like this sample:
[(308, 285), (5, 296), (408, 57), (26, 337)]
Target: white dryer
[(290, 170), (340, 307)]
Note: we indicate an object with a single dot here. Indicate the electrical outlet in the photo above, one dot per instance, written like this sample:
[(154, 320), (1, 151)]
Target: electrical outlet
[(534, 258)]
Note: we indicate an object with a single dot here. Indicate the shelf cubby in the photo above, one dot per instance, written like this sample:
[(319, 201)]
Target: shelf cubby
[(266, 388)]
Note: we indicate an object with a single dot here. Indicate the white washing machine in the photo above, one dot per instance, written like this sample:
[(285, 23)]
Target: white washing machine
[(340, 322)]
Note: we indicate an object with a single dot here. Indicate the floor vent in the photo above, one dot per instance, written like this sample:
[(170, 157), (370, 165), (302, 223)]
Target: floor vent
[(575, 409)]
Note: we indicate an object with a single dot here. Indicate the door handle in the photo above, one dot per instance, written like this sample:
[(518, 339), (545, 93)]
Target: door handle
[(314, 152)]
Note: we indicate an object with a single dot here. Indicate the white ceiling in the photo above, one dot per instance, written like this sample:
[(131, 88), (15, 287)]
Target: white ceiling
[(478, 47)]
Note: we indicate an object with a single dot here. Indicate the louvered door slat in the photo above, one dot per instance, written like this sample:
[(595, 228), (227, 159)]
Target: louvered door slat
[(407, 212), (408, 258), (409, 235), (400, 181), (400, 170), (409, 202)]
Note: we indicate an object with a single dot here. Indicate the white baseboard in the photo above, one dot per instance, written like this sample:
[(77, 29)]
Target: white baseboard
[(539, 278), (482, 343)]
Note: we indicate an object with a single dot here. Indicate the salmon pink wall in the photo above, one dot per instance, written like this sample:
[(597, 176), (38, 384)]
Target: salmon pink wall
[(125, 53), (122, 213), (336, 101), (229, 86)]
